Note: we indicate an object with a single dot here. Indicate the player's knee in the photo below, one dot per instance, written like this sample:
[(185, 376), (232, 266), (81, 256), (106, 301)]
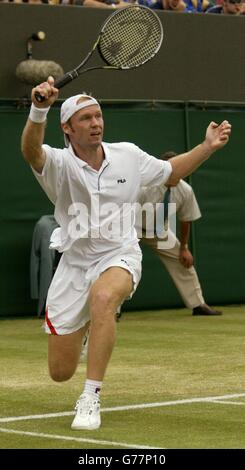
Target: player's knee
[(101, 299), (59, 374)]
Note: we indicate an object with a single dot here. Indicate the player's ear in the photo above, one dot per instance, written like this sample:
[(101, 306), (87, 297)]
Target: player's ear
[(66, 128)]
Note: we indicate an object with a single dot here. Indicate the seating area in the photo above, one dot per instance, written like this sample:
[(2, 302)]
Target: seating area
[(227, 7)]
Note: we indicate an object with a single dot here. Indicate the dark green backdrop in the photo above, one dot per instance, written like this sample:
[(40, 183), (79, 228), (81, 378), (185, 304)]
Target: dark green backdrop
[(217, 239)]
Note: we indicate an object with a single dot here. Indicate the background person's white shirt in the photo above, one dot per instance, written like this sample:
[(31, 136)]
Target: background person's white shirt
[(182, 195), (183, 204)]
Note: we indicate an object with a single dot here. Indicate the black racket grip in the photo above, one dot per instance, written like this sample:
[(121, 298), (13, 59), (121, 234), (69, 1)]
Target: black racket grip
[(68, 77)]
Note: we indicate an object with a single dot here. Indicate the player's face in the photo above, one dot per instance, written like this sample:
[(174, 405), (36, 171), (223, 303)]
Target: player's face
[(86, 127)]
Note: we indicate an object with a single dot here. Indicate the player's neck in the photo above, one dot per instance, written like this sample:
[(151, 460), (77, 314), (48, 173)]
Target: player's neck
[(92, 155)]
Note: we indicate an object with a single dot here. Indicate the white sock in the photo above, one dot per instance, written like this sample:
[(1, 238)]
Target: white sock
[(93, 387)]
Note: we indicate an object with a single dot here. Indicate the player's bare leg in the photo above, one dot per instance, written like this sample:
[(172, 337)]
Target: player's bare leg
[(106, 295)]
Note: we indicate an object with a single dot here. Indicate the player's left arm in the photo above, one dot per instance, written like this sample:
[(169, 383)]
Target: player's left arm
[(217, 136)]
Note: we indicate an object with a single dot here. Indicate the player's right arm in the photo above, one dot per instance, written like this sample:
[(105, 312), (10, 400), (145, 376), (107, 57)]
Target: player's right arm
[(34, 131), (31, 144)]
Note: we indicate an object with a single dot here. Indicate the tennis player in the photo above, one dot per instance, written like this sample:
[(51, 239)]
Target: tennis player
[(93, 186)]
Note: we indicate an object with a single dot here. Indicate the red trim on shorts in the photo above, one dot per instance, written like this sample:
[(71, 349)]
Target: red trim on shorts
[(51, 327)]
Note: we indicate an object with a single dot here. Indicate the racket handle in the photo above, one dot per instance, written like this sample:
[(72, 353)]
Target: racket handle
[(68, 77)]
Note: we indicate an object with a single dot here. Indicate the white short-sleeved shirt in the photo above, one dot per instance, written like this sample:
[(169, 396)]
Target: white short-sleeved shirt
[(187, 208), (94, 208)]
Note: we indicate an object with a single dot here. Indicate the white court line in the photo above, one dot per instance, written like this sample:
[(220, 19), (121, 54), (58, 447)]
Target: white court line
[(226, 402), (77, 439), (126, 408), (44, 416)]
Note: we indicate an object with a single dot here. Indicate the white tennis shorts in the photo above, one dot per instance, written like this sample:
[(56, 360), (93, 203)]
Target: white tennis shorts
[(67, 307)]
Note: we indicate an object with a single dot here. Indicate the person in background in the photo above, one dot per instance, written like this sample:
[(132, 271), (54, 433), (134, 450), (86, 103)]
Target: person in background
[(228, 7), (112, 4), (197, 6), (178, 260), (184, 6)]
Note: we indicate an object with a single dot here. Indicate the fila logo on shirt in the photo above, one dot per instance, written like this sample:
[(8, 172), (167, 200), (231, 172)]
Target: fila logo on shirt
[(122, 180)]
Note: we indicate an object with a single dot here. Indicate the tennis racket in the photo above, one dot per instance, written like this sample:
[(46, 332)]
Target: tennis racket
[(129, 37)]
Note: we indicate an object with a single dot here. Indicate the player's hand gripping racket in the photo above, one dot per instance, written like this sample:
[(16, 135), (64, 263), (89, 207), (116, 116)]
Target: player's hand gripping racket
[(128, 38)]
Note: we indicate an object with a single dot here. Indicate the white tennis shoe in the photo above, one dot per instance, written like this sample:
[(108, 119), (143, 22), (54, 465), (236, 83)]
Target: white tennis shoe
[(87, 412)]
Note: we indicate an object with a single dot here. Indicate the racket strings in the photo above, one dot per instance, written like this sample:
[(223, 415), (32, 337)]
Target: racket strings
[(131, 37)]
